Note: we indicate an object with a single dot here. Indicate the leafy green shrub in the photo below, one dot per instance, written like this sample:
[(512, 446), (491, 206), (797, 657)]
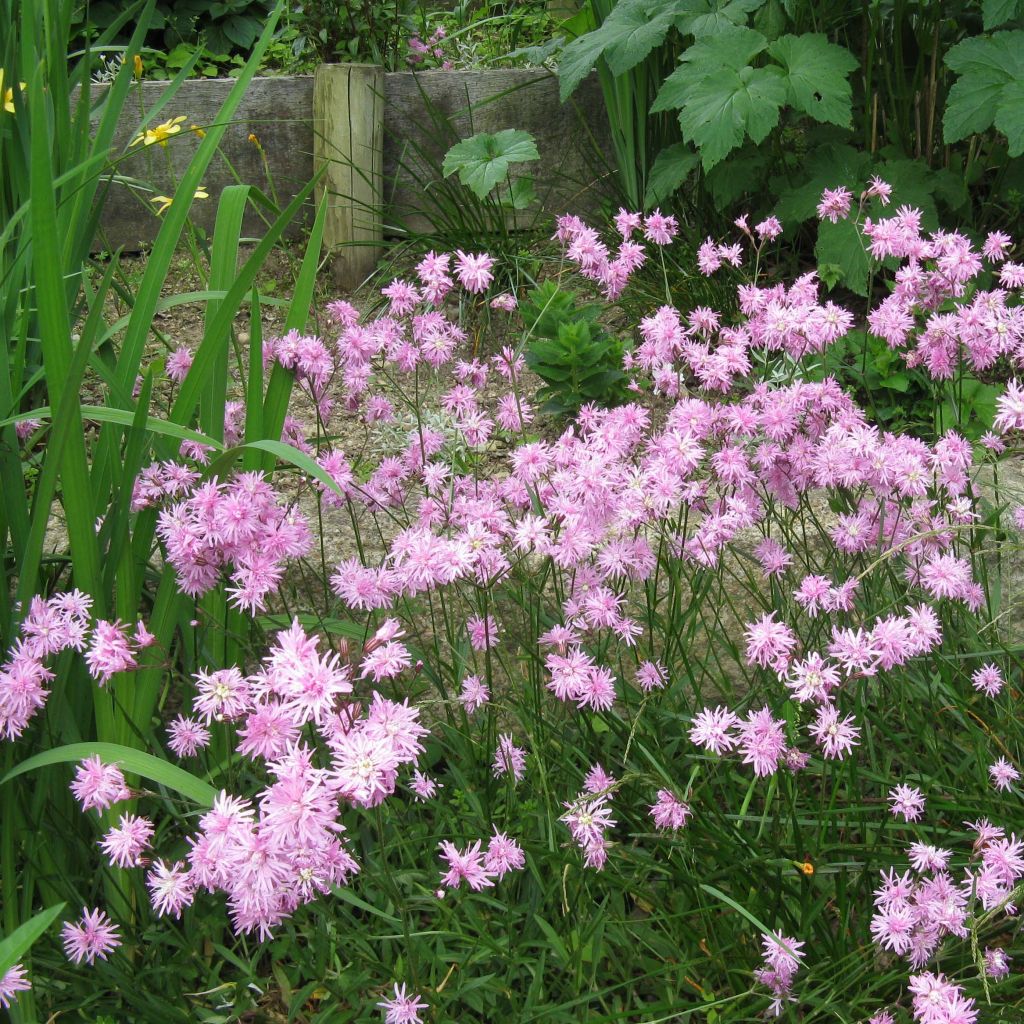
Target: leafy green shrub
[(578, 360), (784, 89)]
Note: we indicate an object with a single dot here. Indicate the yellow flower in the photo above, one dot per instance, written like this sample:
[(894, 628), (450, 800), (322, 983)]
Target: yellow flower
[(198, 131), (163, 202), (137, 66), (7, 95), (161, 133), (254, 140)]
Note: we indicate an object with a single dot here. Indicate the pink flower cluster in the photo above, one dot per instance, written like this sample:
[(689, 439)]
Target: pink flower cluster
[(916, 910), (594, 258), (477, 867), (62, 622), (241, 525), (782, 956), (588, 818)]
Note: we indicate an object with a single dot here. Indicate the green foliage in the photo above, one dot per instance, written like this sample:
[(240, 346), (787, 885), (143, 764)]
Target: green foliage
[(482, 161), (990, 89), (723, 99), (578, 360), (769, 84)]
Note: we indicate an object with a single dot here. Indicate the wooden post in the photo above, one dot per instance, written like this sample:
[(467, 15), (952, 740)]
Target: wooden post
[(348, 138)]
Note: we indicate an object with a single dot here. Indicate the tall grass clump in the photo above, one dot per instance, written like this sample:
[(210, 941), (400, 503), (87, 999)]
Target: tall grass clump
[(70, 464), (409, 703)]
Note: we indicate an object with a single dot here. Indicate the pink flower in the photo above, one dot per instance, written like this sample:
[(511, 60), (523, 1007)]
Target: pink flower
[(124, 843), (997, 963), (1010, 405), (770, 228), (171, 888), (835, 204), (660, 229), (98, 785), (402, 1007), (13, 982), (109, 651), (474, 694), (626, 223), (467, 866), (907, 801), (651, 675), (483, 632), (424, 787), (769, 643), (988, 680), (93, 936), (1003, 774), (503, 855), (474, 270), (880, 189), (711, 730), (187, 736), (836, 737), (997, 245), (669, 812), (762, 741), (509, 759), (597, 780), (179, 362)]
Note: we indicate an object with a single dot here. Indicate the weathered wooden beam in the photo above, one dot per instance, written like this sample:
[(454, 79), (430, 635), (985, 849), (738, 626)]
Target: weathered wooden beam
[(348, 140)]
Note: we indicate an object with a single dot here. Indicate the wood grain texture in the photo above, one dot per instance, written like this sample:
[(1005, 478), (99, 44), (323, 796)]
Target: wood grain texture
[(348, 140), (573, 141)]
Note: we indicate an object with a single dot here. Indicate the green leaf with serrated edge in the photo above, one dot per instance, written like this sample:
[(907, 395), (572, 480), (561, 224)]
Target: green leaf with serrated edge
[(816, 76), (988, 91), (726, 106), (840, 244), (20, 941), (634, 30), (701, 18), (671, 168), (483, 160), (995, 13), (578, 60), (1009, 117), (732, 50), (138, 762)]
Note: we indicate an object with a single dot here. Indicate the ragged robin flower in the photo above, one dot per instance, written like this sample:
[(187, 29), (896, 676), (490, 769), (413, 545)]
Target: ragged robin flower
[(160, 133)]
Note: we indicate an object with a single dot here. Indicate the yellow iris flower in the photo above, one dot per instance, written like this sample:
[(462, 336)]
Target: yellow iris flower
[(160, 133), (163, 202), (7, 95)]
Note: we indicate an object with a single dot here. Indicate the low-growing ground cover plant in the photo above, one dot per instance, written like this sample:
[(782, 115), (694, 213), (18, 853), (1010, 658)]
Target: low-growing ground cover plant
[(699, 706)]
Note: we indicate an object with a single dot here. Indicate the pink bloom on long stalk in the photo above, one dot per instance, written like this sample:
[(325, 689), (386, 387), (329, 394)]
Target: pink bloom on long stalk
[(474, 270), (11, 983), (466, 866), (403, 1007), (906, 801), (98, 785), (124, 843), (94, 935)]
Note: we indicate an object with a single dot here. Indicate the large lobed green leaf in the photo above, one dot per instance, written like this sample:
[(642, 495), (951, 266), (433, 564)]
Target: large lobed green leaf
[(483, 160), (990, 89), (632, 30), (816, 76), (724, 99)]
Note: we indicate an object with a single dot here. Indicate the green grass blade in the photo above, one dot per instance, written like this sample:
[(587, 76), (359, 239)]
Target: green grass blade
[(20, 941), (156, 769)]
